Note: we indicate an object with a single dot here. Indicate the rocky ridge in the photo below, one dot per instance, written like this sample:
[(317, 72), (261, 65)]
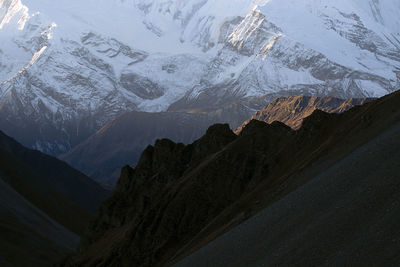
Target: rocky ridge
[(122, 140), (292, 110), (179, 197)]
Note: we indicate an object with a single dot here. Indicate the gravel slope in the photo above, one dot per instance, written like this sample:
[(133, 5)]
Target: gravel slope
[(346, 216)]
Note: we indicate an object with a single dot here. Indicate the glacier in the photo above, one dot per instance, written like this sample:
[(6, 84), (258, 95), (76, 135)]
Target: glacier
[(68, 67)]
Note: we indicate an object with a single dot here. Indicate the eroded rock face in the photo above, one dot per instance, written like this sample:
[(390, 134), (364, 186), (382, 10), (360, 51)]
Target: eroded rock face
[(141, 86), (292, 110), (175, 190)]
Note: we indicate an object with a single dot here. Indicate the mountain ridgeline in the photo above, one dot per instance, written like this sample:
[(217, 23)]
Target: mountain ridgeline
[(65, 73), (293, 109), (154, 97), (122, 140), (180, 197)]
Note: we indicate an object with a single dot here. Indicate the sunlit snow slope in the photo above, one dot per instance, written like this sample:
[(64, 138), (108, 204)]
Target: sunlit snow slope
[(67, 67)]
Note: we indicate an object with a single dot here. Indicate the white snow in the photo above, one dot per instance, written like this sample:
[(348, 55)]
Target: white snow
[(371, 89), (305, 22), (13, 12), (177, 44)]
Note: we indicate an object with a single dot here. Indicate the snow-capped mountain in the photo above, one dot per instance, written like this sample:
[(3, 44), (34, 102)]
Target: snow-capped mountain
[(67, 67)]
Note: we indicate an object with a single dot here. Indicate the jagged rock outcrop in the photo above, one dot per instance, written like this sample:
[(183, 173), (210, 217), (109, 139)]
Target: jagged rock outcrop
[(181, 187), (343, 215), (104, 154), (122, 140), (179, 197), (293, 109)]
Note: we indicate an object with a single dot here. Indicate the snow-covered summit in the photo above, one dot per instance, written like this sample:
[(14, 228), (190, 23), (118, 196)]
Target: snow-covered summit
[(69, 66), (13, 12), (350, 32)]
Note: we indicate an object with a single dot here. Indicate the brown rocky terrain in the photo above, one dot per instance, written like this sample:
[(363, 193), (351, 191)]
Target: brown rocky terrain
[(292, 110), (179, 198)]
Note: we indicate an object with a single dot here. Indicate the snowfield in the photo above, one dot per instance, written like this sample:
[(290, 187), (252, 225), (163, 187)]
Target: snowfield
[(67, 67)]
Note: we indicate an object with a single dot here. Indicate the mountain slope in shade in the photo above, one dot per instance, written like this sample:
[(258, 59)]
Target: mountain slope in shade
[(345, 216), (121, 141), (179, 198), (292, 110), (29, 237), (45, 205), (65, 72), (63, 193)]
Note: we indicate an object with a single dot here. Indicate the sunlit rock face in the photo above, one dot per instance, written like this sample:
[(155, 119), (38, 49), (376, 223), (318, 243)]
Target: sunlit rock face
[(65, 72)]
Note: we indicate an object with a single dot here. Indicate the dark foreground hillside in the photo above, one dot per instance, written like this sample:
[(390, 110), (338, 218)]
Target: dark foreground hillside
[(319, 192), (45, 205), (347, 215)]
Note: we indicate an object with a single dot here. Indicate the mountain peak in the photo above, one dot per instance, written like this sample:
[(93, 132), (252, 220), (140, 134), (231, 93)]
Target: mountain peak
[(13, 12), (199, 53), (218, 130)]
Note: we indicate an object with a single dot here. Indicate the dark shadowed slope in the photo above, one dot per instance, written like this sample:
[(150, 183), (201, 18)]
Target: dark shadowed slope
[(44, 205), (346, 216), (29, 237), (50, 184), (179, 198), (121, 141), (322, 141)]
